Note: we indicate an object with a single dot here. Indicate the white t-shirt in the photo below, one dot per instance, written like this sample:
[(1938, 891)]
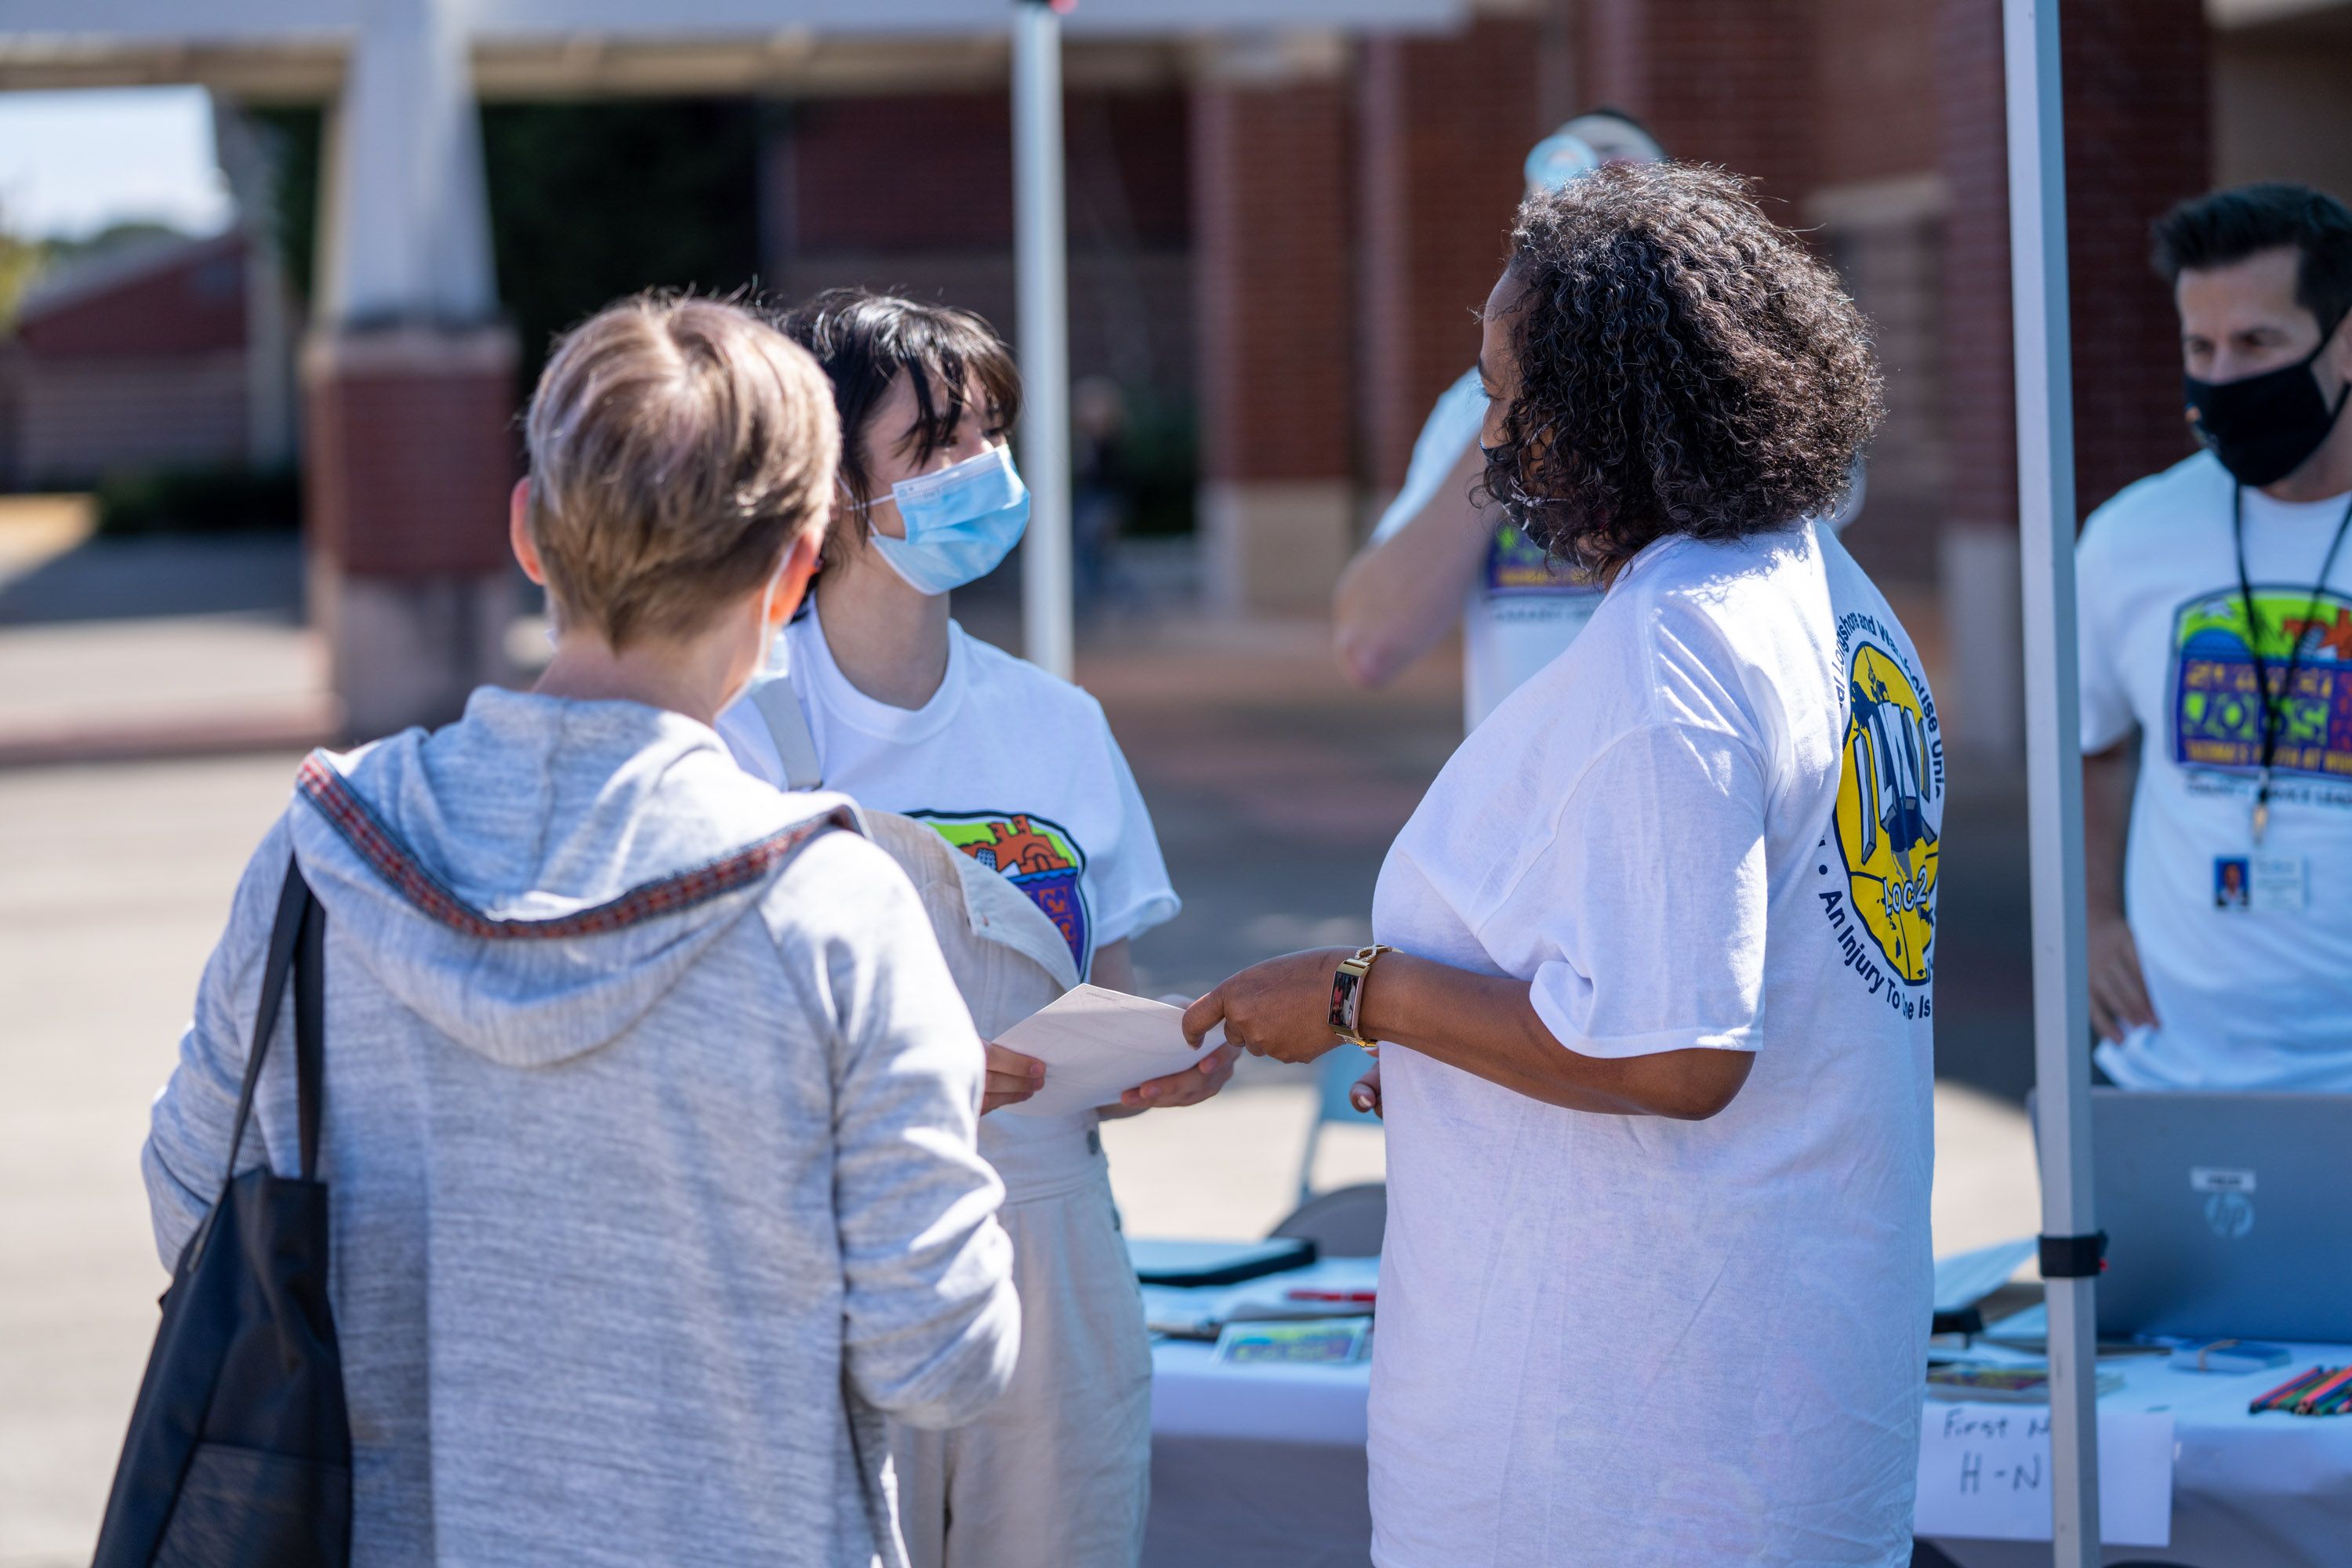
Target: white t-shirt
[(1014, 767), (1711, 823), (1521, 609), (2252, 991)]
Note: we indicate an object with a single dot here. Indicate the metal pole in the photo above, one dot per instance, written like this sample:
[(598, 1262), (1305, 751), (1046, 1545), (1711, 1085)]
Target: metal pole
[(2054, 752), (1041, 259)]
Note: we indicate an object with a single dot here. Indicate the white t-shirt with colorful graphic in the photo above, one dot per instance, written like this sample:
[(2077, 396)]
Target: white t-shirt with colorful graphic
[(1014, 767), (2247, 948), (1712, 823)]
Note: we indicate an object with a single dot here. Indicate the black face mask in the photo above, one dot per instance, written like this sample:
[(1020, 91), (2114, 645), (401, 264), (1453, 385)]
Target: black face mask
[(2262, 427)]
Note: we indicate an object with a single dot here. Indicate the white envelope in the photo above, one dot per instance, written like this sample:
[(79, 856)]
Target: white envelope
[(1097, 1045)]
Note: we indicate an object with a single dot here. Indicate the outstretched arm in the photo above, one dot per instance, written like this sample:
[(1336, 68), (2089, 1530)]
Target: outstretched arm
[(1400, 594), (1639, 995), (1485, 1024)]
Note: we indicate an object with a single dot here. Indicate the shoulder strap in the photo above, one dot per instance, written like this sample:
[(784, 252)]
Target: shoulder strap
[(779, 708), (310, 1032), (299, 921)]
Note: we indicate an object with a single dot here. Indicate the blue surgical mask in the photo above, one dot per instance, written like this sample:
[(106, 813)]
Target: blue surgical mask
[(961, 522)]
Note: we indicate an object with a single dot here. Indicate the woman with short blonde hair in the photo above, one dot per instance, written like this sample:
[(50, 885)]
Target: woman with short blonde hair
[(650, 1108)]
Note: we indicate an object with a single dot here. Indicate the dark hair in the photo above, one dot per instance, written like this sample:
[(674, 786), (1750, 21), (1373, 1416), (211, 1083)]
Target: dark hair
[(865, 341), (1685, 366), (2224, 227)]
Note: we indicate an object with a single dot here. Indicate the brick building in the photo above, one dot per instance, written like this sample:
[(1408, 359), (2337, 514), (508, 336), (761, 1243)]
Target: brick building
[(1302, 226), (1289, 229), (129, 362)]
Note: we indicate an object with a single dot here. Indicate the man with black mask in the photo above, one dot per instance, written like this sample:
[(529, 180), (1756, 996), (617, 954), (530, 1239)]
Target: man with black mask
[(2216, 620)]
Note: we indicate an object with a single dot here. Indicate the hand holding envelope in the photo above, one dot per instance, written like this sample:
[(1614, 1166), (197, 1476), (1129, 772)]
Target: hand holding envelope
[(1098, 1044)]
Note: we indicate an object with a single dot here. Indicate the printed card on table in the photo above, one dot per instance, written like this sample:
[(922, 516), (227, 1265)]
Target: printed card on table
[(1985, 1475)]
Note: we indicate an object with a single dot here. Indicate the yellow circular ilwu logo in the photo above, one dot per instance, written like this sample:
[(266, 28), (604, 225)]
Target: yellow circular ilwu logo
[(1887, 786)]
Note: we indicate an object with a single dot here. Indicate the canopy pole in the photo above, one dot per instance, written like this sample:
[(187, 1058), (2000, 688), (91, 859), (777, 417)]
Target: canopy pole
[(2045, 494), (1041, 260)]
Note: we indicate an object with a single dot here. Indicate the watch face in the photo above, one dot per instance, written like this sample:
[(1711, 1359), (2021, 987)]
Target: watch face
[(1345, 984)]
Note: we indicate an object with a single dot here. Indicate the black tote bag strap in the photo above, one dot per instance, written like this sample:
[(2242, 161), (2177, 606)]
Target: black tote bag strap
[(311, 1030), (300, 920)]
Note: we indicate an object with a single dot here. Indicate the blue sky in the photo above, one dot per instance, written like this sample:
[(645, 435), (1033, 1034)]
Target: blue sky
[(71, 162)]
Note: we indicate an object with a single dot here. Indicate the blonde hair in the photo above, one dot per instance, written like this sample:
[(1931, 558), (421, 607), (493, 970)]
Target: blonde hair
[(678, 447)]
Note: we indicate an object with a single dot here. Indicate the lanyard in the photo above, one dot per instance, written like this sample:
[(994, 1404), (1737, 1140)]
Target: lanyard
[(2274, 710)]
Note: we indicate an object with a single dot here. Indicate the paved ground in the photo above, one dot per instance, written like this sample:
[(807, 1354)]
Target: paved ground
[(1275, 789)]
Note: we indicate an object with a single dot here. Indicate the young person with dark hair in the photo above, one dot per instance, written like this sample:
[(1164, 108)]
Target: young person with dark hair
[(2216, 624), (1657, 947), (882, 696)]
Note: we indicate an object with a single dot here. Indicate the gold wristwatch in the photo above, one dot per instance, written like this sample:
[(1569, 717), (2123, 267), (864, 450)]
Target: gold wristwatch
[(1347, 995)]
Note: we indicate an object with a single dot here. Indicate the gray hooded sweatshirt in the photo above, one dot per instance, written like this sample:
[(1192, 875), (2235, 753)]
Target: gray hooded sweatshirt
[(649, 1129)]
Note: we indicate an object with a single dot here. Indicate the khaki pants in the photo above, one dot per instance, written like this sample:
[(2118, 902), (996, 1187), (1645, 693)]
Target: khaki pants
[(1057, 1473)]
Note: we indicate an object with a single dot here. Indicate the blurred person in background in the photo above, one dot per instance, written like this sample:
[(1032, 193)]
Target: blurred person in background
[(650, 1106), (1655, 965), (1436, 555), (878, 692), (2216, 626), (1098, 485)]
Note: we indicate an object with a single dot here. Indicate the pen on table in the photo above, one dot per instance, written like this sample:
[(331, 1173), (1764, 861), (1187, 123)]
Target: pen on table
[(1308, 1293), (2303, 1405)]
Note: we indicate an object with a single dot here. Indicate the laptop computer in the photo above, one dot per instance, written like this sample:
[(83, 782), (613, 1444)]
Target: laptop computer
[(2226, 1214)]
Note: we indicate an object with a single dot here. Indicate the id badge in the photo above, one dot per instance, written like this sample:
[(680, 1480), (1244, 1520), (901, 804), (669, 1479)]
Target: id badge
[(2273, 884)]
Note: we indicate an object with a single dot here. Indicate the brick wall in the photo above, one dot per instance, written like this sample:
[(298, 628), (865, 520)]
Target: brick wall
[(1272, 280), (131, 361), (914, 195), (412, 450), (81, 419), (935, 173), (1874, 89), (2135, 89), (2138, 137), (1980, 388), (1892, 263), (1723, 81), (1444, 127)]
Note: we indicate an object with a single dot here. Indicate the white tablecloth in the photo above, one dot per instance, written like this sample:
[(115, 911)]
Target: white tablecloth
[(2248, 1491), (1263, 1467)]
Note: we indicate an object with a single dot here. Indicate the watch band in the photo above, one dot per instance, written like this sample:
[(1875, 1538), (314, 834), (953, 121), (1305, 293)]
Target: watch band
[(1347, 994)]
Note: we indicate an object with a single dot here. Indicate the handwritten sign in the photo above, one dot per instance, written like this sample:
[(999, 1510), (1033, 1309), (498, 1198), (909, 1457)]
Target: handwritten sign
[(1984, 1474)]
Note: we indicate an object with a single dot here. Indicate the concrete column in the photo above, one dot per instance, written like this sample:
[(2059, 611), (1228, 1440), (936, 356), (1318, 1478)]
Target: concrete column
[(1272, 276), (409, 384), (2135, 142), (1436, 189)]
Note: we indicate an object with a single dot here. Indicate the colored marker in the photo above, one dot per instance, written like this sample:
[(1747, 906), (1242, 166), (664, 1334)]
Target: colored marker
[(2305, 1405), (2286, 1392)]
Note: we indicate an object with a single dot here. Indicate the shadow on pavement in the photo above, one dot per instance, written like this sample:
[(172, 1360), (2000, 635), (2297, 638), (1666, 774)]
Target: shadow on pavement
[(124, 579)]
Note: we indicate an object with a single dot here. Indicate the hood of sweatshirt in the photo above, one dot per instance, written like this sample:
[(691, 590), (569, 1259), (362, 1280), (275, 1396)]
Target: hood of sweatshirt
[(533, 879)]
